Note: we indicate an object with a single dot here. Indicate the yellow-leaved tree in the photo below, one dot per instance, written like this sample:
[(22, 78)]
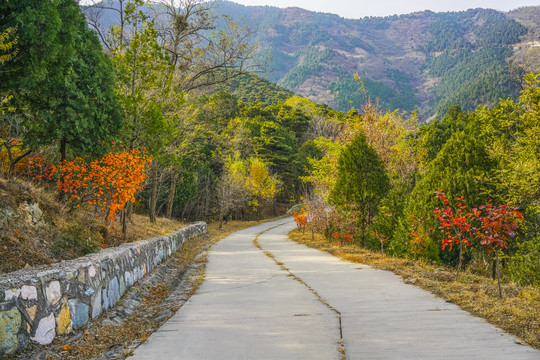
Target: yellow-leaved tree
[(244, 184), (262, 184), (233, 193), (8, 140)]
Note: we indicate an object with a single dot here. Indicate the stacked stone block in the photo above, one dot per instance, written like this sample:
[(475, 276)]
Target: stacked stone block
[(39, 303)]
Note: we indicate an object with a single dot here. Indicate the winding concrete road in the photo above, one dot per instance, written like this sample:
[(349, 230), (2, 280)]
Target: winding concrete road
[(266, 297)]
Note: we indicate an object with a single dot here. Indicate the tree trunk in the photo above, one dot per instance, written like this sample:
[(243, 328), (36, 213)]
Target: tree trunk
[(221, 216), (172, 190), (363, 228), (183, 216), (13, 162), (62, 149), (124, 221), (129, 211), (154, 167), (460, 257), (499, 275)]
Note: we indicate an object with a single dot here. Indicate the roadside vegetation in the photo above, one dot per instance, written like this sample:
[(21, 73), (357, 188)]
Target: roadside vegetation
[(131, 118), (451, 205), (462, 192)]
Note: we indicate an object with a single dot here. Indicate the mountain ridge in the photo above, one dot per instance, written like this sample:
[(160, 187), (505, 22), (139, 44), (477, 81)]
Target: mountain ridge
[(422, 61), (407, 61)]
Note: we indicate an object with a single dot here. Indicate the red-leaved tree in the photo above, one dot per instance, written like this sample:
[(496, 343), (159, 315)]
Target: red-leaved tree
[(343, 237), (498, 224), (301, 219), (456, 225)]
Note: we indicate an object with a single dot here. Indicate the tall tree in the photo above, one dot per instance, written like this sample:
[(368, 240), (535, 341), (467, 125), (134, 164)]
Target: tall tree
[(187, 53), (433, 136), (187, 32), (144, 89), (512, 132), (67, 97), (361, 182)]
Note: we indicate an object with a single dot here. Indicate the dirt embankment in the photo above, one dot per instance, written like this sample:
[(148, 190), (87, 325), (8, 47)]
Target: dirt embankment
[(38, 229)]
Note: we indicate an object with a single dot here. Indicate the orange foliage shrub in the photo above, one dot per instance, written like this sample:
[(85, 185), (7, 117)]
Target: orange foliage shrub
[(301, 218), (40, 170), (109, 182), (343, 238)]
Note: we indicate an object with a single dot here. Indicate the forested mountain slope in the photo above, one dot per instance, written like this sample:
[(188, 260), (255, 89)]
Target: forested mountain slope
[(426, 60)]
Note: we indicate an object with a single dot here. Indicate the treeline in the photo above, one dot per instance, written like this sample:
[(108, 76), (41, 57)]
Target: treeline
[(460, 190), (252, 88), (103, 111), (141, 116)]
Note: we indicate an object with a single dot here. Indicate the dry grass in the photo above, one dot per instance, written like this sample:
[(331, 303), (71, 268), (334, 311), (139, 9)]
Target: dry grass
[(140, 228), (518, 312), (21, 243)]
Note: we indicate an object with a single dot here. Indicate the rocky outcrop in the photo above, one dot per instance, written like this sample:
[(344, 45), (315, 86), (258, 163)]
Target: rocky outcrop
[(30, 214), (38, 304)]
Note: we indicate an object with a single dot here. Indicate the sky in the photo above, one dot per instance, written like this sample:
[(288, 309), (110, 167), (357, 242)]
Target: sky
[(352, 9)]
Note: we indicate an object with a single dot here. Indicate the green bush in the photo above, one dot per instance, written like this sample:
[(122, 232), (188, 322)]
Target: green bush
[(75, 240), (398, 244), (523, 267)]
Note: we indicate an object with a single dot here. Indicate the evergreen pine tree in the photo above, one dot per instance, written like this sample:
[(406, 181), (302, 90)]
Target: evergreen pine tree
[(361, 183)]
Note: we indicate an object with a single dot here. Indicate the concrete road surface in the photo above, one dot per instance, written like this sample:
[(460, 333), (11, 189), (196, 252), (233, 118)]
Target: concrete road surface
[(266, 297)]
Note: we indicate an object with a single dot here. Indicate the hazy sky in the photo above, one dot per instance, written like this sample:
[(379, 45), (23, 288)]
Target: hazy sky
[(358, 9)]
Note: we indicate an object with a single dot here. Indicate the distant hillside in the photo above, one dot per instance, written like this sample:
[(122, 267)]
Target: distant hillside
[(426, 60), (527, 52)]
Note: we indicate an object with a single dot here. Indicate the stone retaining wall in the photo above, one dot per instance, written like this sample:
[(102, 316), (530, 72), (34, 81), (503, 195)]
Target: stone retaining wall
[(39, 303)]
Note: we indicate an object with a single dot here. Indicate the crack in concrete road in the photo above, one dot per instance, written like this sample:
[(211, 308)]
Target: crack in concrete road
[(341, 349)]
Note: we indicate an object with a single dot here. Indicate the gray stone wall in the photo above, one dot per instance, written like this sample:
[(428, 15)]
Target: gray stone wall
[(39, 303)]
